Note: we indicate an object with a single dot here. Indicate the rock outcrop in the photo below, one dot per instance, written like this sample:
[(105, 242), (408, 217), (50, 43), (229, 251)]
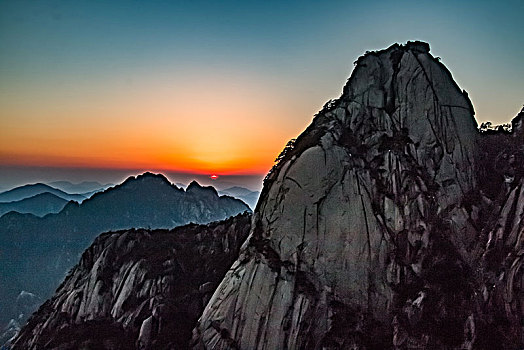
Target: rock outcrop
[(500, 281), (137, 289), (366, 235)]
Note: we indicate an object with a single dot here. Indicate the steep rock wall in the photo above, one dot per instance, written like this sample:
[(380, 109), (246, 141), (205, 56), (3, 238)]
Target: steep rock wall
[(360, 227)]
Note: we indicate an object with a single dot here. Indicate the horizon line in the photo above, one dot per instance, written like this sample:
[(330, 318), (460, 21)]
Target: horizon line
[(137, 169)]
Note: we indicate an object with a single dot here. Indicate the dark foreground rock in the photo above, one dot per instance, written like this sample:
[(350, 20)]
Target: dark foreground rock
[(375, 229), (137, 289)]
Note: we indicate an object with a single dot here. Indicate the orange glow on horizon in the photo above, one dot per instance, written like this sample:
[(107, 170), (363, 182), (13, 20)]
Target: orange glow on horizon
[(203, 124), (60, 162)]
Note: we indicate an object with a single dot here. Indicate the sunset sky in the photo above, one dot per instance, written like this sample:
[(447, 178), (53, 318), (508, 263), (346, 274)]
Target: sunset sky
[(208, 87)]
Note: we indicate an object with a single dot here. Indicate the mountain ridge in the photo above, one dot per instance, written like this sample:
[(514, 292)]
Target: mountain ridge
[(51, 244), (248, 196), (176, 272), (39, 205), (26, 191)]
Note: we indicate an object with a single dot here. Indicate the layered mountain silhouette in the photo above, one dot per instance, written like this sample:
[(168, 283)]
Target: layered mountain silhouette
[(41, 199), (27, 191), (82, 187), (36, 253), (246, 195), (390, 223), (39, 205)]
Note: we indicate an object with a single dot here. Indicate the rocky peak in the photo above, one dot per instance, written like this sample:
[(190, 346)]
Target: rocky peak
[(149, 175), (195, 187), (517, 124), (360, 227), (147, 179)]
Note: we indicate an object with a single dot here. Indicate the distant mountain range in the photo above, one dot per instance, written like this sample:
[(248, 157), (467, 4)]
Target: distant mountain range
[(82, 187), (247, 196), (41, 199), (244, 194), (27, 191), (39, 205), (36, 253)]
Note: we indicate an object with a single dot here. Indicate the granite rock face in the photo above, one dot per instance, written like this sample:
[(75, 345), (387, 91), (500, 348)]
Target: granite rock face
[(137, 289), (500, 291), (362, 237)]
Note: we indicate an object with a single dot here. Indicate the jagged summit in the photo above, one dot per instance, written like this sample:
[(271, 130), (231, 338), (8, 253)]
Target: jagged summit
[(148, 177), (195, 187), (396, 51), (151, 175), (375, 83), (416, 46)]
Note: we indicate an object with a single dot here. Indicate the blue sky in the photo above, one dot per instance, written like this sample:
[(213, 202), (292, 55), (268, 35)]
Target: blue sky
[(301, 43), (71, 66)]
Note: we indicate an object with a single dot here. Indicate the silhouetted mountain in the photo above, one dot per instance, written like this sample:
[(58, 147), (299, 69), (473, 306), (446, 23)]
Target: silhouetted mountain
[(27, 191), (80, 188), (37, 252), (138, 289), (237, 191), (247, 196), (39, 205)]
